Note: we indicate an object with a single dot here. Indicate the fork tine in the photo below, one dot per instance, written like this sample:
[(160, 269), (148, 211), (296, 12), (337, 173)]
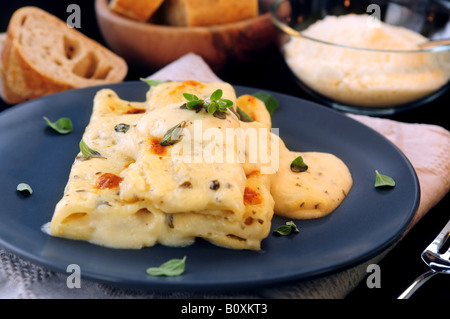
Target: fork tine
[(434, 260), (440, 239)]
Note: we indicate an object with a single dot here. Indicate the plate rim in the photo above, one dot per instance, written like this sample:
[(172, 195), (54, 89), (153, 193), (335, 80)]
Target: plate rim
[(233, 286)]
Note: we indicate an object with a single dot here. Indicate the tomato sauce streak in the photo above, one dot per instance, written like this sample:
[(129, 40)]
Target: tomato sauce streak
[(108, 180), (251, 99), (252, 197), (134, 110), (253, 173), (184, 86), (156, 148)]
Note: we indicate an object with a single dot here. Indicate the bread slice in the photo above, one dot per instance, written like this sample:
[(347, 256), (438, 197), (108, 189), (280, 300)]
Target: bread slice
[(192, 13), (237, 10), (140, 10), (43, 55)]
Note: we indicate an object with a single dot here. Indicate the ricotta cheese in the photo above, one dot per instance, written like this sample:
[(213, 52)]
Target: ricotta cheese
[(353, 72)]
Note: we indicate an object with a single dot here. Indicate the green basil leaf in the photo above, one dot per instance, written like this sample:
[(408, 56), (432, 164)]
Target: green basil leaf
[(23, 187), (244, 117), (222, 104), (383, 180), (87, 151), (298, 165), (190, 105), (173, 135), (270, 101), (212, 108), (173, 267), (228, 103), (62, 126), (216, 95), (222, 109), (190, 97), (286, 229), (152, 82)]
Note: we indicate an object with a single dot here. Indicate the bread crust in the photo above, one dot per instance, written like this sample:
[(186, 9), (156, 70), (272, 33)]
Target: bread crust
[(198, 13), (38, 62), (140, 10)]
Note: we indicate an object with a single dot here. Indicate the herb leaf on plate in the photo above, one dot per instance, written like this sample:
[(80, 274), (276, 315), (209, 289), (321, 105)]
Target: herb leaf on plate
[(24, 187), (383, 180), (269, 100), (62, 126), (151, 82), (286, 229), (173, 267)]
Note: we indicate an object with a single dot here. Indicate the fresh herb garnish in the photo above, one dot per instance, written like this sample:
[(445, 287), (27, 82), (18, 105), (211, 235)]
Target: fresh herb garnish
[(173, 267), (121, 128), (286, 229), (383, 180), (213, 105), (270, 101), (62, 126), (23, 187), (173, 135), (298, 165), (152, 82), (87, 151)]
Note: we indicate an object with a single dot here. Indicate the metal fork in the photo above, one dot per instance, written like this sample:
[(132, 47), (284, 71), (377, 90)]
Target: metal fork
[(438, 262)]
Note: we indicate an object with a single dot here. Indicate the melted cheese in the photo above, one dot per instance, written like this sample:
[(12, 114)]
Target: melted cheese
[(314, 193), (140, 193)]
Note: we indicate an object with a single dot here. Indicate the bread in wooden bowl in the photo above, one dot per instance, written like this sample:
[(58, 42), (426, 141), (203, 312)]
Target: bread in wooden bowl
[(154, 44), (43, 55), (140, 10), (203, 13)]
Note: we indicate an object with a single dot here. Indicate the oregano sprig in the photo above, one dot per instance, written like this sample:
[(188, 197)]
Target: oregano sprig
[(214, 105)]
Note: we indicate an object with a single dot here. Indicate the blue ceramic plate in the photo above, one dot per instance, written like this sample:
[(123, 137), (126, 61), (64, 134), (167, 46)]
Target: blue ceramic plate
[(367, 222)]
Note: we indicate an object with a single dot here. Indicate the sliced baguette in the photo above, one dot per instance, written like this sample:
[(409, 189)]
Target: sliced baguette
[(43, 55), (140, 10)]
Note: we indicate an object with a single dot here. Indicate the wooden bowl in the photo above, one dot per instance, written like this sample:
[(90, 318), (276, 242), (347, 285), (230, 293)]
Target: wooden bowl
[(154, 45)]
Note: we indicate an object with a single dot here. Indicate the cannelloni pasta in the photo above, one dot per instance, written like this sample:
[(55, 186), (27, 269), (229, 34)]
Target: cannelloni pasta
[(150, 187)]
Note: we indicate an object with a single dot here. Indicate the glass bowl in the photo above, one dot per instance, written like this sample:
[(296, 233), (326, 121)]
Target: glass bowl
[(364, 56)]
